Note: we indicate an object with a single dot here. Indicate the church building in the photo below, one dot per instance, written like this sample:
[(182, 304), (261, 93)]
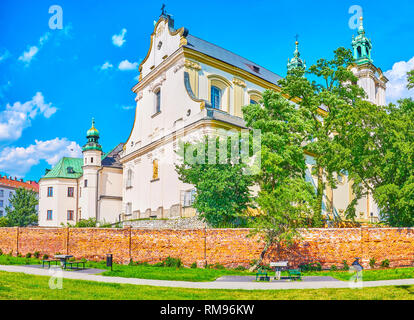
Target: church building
[(187, 87)]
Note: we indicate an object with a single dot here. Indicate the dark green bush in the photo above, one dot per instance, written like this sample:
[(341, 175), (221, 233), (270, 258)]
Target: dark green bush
[(28, 255), (45, 257), (334, 267), (1, 252), (218, 266), (240, 268), (372, 263), (345, 265), (385, 263), (313, 266), (172, 262), (36, 254), (194, 265)]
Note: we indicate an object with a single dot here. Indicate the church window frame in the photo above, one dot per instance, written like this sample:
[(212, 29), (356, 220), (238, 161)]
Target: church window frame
[(224, 85)]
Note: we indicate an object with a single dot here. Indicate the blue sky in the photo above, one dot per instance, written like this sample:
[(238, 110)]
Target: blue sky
[(52, 82)]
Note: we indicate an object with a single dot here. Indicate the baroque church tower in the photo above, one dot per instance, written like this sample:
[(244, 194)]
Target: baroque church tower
[(92, 154), (370, 77), (296, 61)]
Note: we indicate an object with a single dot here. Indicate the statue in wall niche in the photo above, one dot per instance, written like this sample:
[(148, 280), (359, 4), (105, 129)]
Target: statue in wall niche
[(155, 169)]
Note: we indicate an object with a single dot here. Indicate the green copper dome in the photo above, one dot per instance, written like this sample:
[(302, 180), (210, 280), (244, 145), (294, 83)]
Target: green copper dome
[(93, 139), (296, 61), (92, 131), (362, 46)]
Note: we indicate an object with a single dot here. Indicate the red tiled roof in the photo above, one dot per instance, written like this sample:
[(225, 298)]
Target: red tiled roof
[(15, 183)]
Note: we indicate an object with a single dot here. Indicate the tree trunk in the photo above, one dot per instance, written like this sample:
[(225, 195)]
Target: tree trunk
[(319, 198), (258, 262)]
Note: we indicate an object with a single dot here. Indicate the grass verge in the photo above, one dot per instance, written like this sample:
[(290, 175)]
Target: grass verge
[(19, 286)]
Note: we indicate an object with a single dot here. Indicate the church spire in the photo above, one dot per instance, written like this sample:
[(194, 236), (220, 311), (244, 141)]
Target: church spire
[(362, 46), (296, 61), (93, 139)]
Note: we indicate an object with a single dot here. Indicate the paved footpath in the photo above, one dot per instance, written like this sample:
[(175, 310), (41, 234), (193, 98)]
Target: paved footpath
[(205, 285)]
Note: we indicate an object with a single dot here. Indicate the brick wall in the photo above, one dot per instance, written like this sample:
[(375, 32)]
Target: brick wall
[(229, 247)]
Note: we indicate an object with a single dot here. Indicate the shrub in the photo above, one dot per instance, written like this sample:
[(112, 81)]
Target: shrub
[(159, 264), (36, 254), (240, 268), (313, 266), (385, 263), (19, 255), (1, 252), (172, 262), (28, 255), (45, 257), (193, 265), (345, 265), (218, 266), (334, 267), (372, 263)]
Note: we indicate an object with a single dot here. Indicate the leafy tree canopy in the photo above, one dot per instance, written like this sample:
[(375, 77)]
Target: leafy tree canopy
[(22, 210), (223, 187)]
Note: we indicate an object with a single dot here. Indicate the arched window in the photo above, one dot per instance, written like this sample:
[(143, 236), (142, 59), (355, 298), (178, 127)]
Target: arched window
[(359, 52), (219, 92), (254, 97), (129, 178), (215, 97)]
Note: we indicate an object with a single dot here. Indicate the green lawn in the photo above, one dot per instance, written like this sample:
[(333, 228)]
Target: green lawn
[(19, 286), (144, 271)]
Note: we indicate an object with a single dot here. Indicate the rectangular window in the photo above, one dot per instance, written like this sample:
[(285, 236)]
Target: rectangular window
[(158, 101), (70, 192), (1, 204), (2, 193), (49, 214), (70, 214), (50, 191), (215, 97), (85, 183)]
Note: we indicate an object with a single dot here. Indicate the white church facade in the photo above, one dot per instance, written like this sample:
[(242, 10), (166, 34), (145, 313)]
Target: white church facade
[(187, 86)]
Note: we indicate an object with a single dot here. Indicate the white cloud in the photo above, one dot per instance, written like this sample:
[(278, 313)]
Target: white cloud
[(107, 65), (397, 85), (5, 55), (18, 116), (118, 39), (126, 65), (29, 54), (17, 161)]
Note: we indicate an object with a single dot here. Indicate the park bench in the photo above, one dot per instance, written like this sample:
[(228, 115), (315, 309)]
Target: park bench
[(77, 263), (262, 275), (48, 261), (294, 274)]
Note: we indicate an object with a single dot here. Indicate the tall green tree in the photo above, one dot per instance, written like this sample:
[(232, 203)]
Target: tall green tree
[(285, 197), (375, 146), (222, 185), (22, 210), (322, 92)]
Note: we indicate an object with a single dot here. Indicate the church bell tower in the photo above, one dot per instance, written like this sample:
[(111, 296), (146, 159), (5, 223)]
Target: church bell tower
[(370, 78), (92, 154)]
